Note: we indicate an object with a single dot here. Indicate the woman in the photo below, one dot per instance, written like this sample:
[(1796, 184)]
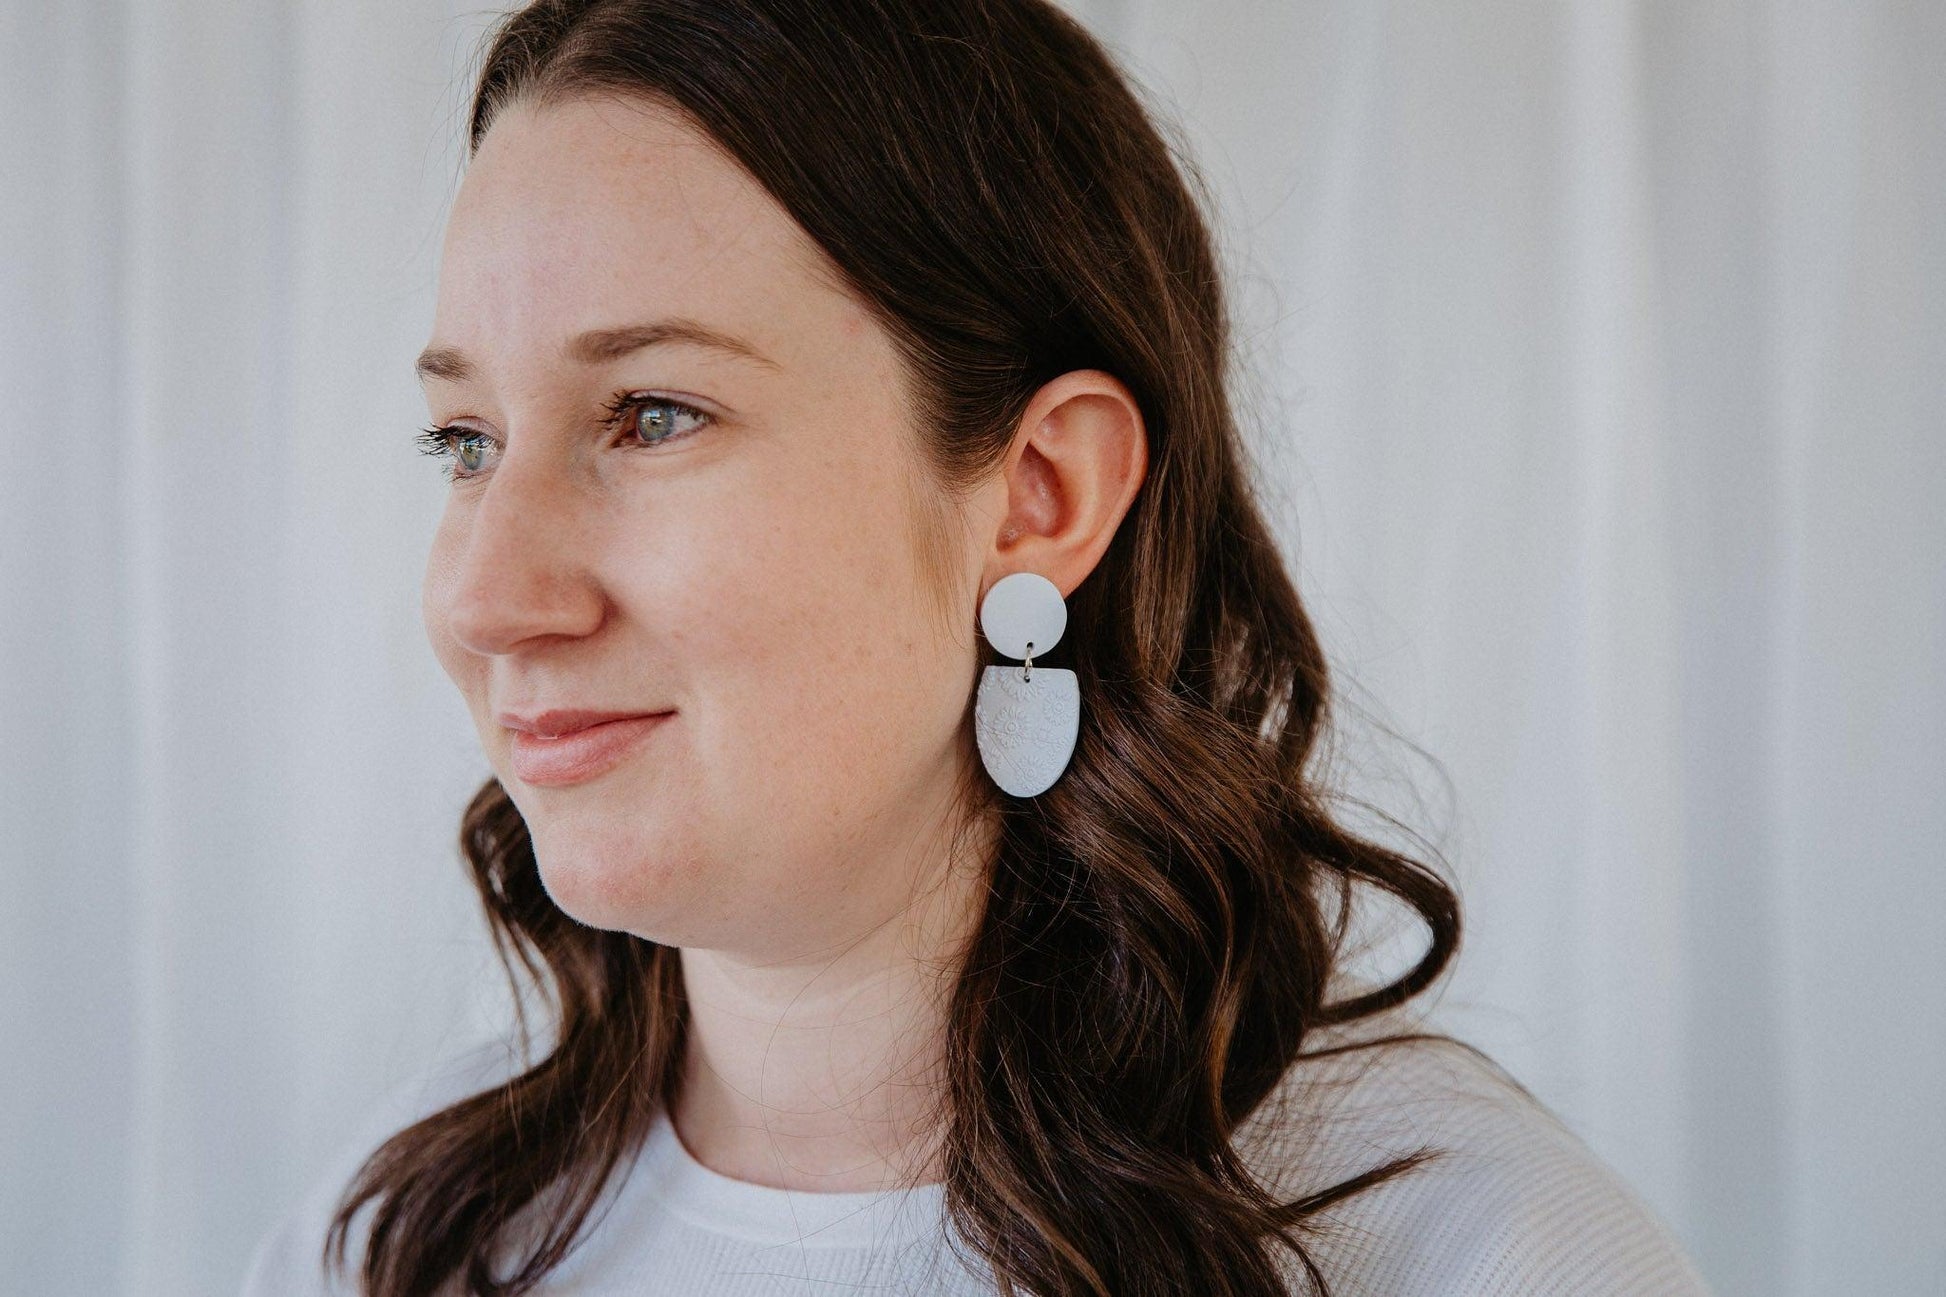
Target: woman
[(806, 371)]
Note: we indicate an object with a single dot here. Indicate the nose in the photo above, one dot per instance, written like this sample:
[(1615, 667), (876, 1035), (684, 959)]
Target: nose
[(524, 566)]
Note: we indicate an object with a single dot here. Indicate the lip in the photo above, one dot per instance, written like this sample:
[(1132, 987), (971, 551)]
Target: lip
[(582, 754), (557, 721)]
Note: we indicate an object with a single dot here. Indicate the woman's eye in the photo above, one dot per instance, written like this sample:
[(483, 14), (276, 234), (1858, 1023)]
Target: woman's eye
[(456, 445), (656, 419), (649, 420)]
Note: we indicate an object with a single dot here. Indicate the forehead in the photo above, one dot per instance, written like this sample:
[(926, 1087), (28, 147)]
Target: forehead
[(601, 211)]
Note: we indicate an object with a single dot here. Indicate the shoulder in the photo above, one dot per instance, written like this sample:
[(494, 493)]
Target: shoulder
[(288, 1259), (1511, 1204)]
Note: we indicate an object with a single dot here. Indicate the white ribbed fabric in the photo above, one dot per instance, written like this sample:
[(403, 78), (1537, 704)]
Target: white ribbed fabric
[(1515, 1206)]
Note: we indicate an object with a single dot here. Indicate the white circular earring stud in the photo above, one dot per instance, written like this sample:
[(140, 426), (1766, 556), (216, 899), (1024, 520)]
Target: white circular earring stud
[(1025, 721)]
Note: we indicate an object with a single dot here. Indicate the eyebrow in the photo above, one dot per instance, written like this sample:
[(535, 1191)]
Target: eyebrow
[(600, 346)]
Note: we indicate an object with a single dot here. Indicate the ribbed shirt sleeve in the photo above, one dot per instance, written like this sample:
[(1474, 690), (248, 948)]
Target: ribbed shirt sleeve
[(1514, 1204)]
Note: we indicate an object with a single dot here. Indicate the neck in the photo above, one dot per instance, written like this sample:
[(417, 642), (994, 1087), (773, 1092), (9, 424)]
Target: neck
[(824, 1072)]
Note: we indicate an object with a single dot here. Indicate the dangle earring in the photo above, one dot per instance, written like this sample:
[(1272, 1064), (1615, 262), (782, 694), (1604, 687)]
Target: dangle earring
[(1025, 720)]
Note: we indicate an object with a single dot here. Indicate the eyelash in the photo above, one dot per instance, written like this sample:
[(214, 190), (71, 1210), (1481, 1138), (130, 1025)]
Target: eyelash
[(443, 442)]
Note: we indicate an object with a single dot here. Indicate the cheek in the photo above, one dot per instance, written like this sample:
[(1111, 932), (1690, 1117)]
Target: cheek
[(818, 628)]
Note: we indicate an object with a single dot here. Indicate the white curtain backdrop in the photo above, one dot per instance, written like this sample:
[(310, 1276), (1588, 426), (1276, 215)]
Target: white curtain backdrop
[(1596, 353)]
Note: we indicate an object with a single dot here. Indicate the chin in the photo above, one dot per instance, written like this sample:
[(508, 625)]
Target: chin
[(609, 889)]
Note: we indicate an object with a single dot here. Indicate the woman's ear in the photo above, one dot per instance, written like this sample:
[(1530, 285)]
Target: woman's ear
[(1079, 456)]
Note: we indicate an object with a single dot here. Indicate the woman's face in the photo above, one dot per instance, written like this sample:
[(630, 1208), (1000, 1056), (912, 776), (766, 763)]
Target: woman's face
[(750, 569)]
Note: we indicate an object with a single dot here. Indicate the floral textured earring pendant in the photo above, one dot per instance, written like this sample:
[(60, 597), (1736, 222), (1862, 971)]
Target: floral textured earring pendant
[(1025, 719)]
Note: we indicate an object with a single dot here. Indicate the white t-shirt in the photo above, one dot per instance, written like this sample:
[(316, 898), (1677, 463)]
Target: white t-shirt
[(1517, 1207)]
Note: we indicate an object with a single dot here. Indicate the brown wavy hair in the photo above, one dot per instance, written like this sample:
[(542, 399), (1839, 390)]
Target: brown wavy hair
[(1156, 940)]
